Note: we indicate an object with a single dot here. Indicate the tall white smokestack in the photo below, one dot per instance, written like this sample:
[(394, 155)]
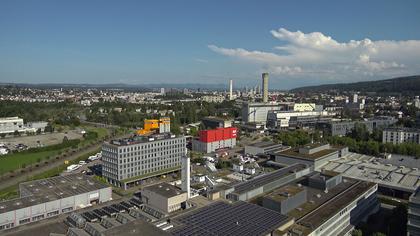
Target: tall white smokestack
[(231, 90), (265, 86), (185, 175)]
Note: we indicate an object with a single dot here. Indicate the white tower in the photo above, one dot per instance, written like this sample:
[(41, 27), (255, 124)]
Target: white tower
[(231, 90), (185, 175), (355, 98)]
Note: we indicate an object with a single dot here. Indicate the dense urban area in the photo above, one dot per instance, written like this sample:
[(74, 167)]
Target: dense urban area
[(77, 160)]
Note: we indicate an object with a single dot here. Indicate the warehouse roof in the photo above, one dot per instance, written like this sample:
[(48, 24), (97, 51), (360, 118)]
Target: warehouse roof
[(318, 216), (165, 189), (294, 152), (221, 218), (45, 190), (285, 192), (264, 144), (136, 227), (267, 178)]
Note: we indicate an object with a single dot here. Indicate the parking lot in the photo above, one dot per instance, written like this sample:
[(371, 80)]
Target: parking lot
[(40, 140)]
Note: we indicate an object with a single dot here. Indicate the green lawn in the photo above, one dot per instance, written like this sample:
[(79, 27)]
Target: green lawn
[(12, 191), (16, 160), (102, 132)]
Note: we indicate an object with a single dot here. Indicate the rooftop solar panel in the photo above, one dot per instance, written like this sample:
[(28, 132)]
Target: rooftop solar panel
[(220, 218)]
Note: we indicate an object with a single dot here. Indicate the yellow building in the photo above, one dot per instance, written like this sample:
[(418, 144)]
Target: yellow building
[(162, 125)]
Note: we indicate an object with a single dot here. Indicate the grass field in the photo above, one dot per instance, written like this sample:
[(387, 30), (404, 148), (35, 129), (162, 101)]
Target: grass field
[(12, 191), (17, 160)]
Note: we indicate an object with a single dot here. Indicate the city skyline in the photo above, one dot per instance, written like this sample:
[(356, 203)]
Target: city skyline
[(209, 43)]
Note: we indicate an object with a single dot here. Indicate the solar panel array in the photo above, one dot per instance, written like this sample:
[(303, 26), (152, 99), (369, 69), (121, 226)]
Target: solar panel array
[(221, 218)]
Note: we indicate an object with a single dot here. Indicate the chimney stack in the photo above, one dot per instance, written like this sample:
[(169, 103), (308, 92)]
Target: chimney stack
[(265, 86), (231, 90)]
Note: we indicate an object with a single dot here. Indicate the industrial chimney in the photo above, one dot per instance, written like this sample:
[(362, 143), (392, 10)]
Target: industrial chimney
[(231, 90), (185, 175), (265, 86)]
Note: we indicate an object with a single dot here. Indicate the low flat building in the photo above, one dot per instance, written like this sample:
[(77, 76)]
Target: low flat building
[(398, 176), (257, 112), (46, 198), (164, 197), (336, 211), (287, 119), (263, 148), (8, 125), (315, 155), (265, 183), (341, 128), (413, 218), (401, 135), (285, 198), (214, 98), (221, 218)]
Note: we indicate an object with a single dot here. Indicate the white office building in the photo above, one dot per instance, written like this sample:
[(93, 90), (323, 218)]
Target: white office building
[(401, 135), (127, 161)]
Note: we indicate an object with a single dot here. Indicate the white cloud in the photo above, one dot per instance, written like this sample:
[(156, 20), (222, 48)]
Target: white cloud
[(201, 60), (314, 54)]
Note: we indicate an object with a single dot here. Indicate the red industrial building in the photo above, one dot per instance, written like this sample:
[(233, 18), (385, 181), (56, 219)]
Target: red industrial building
[(214, 139)]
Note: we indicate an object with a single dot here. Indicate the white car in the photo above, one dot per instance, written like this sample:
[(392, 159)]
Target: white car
[(82, 162)]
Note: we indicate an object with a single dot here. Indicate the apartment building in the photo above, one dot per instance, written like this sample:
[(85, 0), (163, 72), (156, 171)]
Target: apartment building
[(401, 135)]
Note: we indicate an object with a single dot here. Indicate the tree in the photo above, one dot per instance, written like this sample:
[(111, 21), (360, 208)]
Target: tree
[(356, 232), (49, 128), (38, 131), (16, 133), (359, 132), (378, 234)]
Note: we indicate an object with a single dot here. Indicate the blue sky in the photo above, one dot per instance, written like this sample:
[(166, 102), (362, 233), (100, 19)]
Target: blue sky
[(137, 42)]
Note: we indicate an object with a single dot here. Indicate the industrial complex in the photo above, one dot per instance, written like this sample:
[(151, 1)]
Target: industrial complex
[(42, 199)]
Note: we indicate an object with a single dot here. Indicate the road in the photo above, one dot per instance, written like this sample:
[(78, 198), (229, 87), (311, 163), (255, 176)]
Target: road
[(22, 177)]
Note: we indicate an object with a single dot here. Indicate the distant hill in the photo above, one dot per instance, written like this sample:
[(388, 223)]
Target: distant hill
[(408, 84), (118, 86)]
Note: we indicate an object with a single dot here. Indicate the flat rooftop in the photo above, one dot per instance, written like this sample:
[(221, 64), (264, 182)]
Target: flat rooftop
[(400, 173), (285, 192), (267, 178), (402, 129), (218, 119), (317, 197), (294, 152), (136, 227), (221, 218), (264, 144), (45, 190), (317, 217), (142, 139), (165, 189)]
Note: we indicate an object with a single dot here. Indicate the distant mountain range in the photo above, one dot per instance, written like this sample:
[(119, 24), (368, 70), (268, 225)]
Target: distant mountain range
[(408, 84), (119, 86)]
